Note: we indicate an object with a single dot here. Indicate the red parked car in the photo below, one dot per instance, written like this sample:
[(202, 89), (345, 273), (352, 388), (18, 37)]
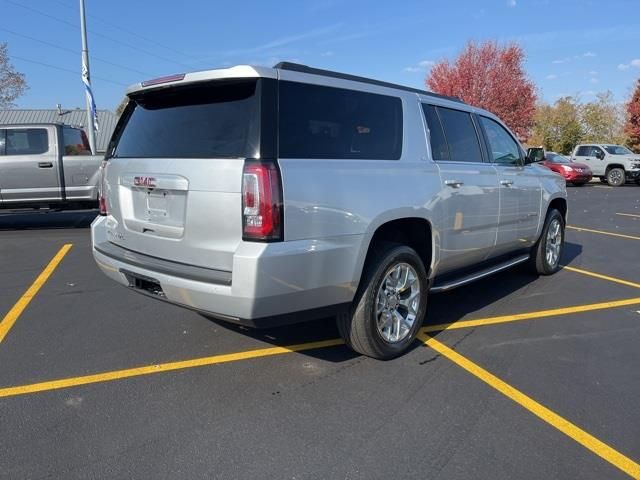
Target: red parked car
[(575, 173)]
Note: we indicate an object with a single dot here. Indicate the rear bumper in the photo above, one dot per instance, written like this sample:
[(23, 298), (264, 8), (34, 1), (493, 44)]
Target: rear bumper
[(268, 283)]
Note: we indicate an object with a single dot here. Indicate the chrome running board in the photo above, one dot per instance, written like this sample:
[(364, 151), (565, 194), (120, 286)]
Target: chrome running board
[(472, 277)]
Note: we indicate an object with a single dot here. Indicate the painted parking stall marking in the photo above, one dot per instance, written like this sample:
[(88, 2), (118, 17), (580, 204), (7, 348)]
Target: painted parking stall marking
[(12, 316), (574, 432)]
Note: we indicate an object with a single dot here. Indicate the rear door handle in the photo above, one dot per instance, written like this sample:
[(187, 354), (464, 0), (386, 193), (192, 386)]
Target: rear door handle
[(506, 183), (453, 183), (45, 165)]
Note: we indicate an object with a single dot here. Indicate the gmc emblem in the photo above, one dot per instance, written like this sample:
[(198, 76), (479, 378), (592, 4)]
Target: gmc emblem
[(148, 182)]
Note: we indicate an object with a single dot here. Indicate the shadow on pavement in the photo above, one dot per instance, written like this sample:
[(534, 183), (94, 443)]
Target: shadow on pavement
[(47, 220), (445, 307)]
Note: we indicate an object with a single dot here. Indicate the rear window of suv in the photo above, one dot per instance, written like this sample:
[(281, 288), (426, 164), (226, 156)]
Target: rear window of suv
[(335, 123), (211, 120)]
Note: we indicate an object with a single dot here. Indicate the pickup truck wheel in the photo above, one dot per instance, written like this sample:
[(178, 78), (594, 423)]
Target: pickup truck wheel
[(615, 177), (545, 256), (390, 305)]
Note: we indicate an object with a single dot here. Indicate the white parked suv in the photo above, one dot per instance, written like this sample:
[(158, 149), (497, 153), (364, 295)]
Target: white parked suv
[(614, 164), (266, 196)]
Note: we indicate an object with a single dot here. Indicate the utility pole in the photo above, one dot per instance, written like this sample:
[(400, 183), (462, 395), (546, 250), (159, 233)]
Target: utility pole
[(92, 116)]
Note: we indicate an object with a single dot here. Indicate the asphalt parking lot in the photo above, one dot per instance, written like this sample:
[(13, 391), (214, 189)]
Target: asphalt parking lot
[(517, 376)]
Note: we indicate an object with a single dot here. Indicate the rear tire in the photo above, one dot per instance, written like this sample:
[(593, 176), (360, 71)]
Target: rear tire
[(637, 181), (578, 184), (389, 307), (546, 253), (615, 177)]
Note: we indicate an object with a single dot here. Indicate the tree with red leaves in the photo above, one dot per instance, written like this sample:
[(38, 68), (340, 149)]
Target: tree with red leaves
[(632, 126), (489, 76)]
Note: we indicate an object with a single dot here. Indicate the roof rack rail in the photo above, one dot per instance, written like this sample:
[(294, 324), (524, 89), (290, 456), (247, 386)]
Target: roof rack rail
[(296, 67)]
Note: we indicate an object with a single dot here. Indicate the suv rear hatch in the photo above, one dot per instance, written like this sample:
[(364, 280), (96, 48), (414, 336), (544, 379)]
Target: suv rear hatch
[(173, 178)]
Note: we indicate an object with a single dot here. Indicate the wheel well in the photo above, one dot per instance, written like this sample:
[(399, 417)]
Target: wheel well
[(559, 204), (413, 232), (614, 165)]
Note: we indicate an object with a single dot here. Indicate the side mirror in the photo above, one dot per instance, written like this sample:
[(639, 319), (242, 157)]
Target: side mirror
[(528, 160)]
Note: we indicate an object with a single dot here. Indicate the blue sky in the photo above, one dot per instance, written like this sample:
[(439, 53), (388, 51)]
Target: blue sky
[(572, 46)]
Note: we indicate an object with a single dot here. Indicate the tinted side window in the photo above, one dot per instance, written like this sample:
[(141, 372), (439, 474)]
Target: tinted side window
[(461, 135), (326, 122), (75, 142), (583, 152), (504, 149), (439, 148), (26, 141), (596, 151)]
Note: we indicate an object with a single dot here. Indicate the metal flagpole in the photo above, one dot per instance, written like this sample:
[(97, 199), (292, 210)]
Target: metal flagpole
[(92, 117)]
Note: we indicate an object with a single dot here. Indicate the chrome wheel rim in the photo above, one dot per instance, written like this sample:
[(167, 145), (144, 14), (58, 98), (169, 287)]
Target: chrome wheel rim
[(554, 243), (615, 177), (397, 303)]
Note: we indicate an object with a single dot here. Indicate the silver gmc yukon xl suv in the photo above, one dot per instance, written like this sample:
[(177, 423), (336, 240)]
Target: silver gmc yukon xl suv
[(266, 196)]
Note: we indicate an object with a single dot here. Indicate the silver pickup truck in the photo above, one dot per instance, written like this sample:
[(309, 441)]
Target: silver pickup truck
[(265, 196), (47, 165)]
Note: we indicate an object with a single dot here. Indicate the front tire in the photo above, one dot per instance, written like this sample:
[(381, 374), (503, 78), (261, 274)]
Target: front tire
[(390, 305), (615, 177), (545, 256)]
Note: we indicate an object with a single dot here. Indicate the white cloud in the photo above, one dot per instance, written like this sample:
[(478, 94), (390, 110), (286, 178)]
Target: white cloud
[(551, 76), (594, 80), (559, 61), (512, 3), (328, 53), (589, 54), (633, 63), (593, 72), (421, 66)]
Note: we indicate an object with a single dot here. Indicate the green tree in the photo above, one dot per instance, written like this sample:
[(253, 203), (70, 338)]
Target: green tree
[(557, 127), (603, 120), (12, 83), (632, 125)]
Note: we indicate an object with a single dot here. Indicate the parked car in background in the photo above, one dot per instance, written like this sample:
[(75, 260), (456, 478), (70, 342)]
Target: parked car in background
[(266, 196), (47, 166), (575, 173), (614, 164)]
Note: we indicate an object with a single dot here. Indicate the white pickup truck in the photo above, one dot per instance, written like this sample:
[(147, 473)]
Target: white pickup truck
[(47, 166)]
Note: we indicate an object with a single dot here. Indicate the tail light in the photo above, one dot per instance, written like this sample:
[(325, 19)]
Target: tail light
[(261, 202), (102, 189)]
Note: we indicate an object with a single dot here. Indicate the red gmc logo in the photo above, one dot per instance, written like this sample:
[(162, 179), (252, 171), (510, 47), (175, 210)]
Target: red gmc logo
[(148, 182)]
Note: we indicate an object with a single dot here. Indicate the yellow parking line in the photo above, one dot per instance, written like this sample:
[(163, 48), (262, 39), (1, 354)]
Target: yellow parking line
[(163, 367), (620, 235), (602, 277), (530, 315), (15, 312), (628, 215), (574, 432), (265, 352)]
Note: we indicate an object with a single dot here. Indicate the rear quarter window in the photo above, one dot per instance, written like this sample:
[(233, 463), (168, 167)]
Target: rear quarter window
[(335, 123), (26, 141)]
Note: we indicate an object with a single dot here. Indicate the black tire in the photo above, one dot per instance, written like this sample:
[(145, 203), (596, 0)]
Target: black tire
[(578, 184), (538, 261), (615, 177), (359, 326), (637, 181)]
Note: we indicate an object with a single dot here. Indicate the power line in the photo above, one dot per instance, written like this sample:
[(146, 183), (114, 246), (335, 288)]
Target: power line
[(62, 69), (98, 34), (70, 50), (130, 32)]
